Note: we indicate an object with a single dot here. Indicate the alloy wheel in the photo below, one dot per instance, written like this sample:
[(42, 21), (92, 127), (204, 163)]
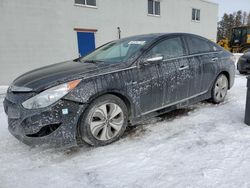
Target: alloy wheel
[(106, 121), (221, 87)]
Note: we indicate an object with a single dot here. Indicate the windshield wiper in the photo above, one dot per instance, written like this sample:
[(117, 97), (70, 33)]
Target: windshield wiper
[(92, 61)]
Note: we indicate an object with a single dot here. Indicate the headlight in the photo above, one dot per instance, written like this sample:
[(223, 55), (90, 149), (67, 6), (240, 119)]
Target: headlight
[(50, 96)]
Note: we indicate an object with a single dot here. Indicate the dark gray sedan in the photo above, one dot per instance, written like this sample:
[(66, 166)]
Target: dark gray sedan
[(244, 63), (93, 99)]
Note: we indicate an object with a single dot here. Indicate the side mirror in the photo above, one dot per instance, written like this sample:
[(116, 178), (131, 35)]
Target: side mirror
[(153, 59)]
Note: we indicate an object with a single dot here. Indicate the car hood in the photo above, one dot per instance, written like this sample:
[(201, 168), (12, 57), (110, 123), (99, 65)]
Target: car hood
[(49, 76)]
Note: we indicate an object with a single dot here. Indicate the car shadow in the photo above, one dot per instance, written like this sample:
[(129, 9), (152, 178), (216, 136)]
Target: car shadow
[(141, 128), (133, 131)]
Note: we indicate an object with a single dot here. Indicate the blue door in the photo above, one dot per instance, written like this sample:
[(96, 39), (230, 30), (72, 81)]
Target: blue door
[(86, 42)]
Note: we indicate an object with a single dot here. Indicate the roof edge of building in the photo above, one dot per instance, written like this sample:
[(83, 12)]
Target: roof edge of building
[(211, 2)]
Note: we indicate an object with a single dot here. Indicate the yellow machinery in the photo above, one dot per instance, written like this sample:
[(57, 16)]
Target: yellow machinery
[(239, 42)]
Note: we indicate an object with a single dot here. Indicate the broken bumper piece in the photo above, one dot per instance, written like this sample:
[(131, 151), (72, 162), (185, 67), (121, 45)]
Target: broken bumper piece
[(55, 126)]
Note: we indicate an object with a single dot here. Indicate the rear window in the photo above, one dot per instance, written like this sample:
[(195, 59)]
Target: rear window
[(197, 45)]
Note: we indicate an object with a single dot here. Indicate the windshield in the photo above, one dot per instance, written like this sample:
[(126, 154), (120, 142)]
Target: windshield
[(117, 51), (239, 35)]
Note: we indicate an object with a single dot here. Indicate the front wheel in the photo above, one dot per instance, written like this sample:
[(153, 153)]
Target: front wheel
[(104, 121), (220, 88)]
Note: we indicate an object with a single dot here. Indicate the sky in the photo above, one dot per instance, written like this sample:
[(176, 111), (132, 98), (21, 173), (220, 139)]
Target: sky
[(230, 6)]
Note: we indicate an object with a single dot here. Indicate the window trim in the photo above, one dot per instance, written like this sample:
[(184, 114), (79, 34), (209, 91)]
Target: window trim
[(185, 38), (195, 20), (154, 15), (85, 30), (86, 5)]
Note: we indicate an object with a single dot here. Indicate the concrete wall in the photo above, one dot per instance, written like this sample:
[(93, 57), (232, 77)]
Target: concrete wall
[(34, 33)]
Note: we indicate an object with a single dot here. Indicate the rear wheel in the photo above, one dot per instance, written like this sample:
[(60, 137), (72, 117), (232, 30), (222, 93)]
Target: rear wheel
[(104, 121), (220, 88)]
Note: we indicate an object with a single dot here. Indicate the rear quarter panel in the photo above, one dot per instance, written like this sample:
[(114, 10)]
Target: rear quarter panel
[(227, 64)]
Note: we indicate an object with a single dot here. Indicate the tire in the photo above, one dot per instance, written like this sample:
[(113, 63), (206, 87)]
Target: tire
[(242, 72), (219, 90), (104, 121)]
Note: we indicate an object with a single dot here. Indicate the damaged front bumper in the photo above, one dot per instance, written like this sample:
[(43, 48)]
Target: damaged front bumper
[(54, 126)]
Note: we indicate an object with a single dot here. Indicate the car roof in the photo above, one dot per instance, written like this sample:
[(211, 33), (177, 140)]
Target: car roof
[(160, 35)]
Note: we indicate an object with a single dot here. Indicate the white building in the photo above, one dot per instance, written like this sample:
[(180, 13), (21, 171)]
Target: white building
[(34, 33)]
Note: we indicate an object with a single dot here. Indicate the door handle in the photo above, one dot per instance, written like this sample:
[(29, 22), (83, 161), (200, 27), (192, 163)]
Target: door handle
[(214, 59), (183, 68)]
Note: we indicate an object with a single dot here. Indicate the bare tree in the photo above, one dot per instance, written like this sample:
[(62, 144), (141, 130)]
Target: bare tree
[(229, 21), (244, 18), (238, 19)]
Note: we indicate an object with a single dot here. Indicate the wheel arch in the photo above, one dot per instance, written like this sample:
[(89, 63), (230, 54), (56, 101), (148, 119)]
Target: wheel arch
[(125, 98), (119, 94), (227, 75)]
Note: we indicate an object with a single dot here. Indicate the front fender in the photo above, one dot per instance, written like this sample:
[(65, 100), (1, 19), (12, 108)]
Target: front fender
[(90, 89)]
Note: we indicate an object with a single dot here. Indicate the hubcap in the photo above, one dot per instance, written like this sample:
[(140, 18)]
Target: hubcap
[(221, 88), (106, 121)]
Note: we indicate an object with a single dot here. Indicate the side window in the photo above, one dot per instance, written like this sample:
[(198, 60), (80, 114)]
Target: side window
[(244, 32), (214, 47), (197, 45), (169, 48)]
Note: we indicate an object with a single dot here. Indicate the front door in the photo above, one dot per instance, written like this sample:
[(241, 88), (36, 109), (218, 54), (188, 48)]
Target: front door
[(175, 81), (86, 42), (151, 86), (158, 79)]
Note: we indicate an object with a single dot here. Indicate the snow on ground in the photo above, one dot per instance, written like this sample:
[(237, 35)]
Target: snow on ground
[(237, 56), (204, 145), (3, 89)]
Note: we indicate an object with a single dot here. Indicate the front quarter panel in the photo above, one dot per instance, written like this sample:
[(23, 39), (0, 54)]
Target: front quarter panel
[(122, 82)]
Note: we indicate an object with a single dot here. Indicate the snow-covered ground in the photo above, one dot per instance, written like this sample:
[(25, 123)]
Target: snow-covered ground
[(3, 89), (204, 145)]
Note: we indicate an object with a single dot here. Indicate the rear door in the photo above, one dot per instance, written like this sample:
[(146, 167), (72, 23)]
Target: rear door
[(203, 64)]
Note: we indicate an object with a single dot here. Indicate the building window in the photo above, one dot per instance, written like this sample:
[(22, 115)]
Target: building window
[(154, 7), (86, 2), (196, 14)]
